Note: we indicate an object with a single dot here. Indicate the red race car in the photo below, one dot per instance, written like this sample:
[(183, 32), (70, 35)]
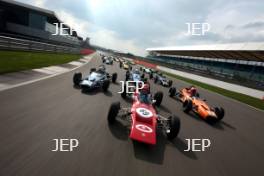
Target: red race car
[(144, 118)]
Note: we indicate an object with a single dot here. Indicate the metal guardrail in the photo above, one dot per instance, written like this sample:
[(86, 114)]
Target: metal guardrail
[(9, 43)]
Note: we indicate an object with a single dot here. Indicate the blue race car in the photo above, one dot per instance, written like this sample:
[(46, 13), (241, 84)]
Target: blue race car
[(134, 75), (96, 79)]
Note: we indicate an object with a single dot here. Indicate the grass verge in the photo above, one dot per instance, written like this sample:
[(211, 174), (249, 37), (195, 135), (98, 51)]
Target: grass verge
[(255, 102), (13, 61)]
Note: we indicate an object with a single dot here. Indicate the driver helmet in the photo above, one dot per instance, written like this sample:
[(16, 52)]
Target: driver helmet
[(145, 89), (193, 90)]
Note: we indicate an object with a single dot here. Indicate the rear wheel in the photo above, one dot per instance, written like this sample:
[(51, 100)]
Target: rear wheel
[(187, 106), (174, 127), (158, 97), (105, 86), (77, 78), (170, 83), (113, 111), (220, 113), (114, 77), (172, 91), (143, 76)]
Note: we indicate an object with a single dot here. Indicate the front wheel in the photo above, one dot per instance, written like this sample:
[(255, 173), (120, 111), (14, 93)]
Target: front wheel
[(172, 91), (150, 75), (155, 79), (92, 70), (124, 93), (114, 77), (158, 98), (113, 111), (77, 78), (174, 125), (220, 113)]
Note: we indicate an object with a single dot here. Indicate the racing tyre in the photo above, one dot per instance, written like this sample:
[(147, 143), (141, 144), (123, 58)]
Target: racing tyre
[(172, 91), (158, 97), (113, 111), (187, 106), (155, 79), (220, 113), (174, 125), (197, 95), (150, 75), (77, 78), (124, 93), (120, 65), (170, 83), (127, 75), (105, 86), (114, 77), (92, 70), (143, 75), (140, 68)]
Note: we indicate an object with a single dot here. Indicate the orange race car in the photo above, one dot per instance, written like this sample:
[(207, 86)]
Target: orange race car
[(192, 102)]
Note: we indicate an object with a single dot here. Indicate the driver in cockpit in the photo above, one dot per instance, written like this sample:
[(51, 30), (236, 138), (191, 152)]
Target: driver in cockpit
[(144, 95), (192, 91)]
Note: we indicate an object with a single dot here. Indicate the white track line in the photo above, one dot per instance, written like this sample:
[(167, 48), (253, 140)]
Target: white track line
[(75, 63)]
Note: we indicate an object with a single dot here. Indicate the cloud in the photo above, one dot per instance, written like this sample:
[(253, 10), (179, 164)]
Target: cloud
[(136, 25), (100, 36), (256, 24)]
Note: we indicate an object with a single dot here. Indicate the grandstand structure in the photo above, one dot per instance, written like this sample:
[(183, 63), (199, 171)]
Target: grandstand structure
[(30, 23), (240, 63)]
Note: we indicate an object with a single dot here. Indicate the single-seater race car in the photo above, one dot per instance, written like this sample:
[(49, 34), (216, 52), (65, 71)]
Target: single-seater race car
[(159, 78), (96, 79), (191, 102), (125, 65), (203, 110), (184, 93), (107, 60), (134, 75), (146, 70), (143, 118)]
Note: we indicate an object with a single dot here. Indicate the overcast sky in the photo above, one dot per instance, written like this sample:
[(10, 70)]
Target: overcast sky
[(134, 25)]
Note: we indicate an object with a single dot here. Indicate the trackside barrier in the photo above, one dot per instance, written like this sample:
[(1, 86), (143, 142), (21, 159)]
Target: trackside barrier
[(87, 51), (146, 64), (10, 43), (232, 87), (228, 86)]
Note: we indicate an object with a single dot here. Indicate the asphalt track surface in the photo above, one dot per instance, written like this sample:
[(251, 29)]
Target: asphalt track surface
[(34, 114)]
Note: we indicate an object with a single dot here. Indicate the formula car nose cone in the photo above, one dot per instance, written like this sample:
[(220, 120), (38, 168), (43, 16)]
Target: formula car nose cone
[(86, 83), (144, 113)]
